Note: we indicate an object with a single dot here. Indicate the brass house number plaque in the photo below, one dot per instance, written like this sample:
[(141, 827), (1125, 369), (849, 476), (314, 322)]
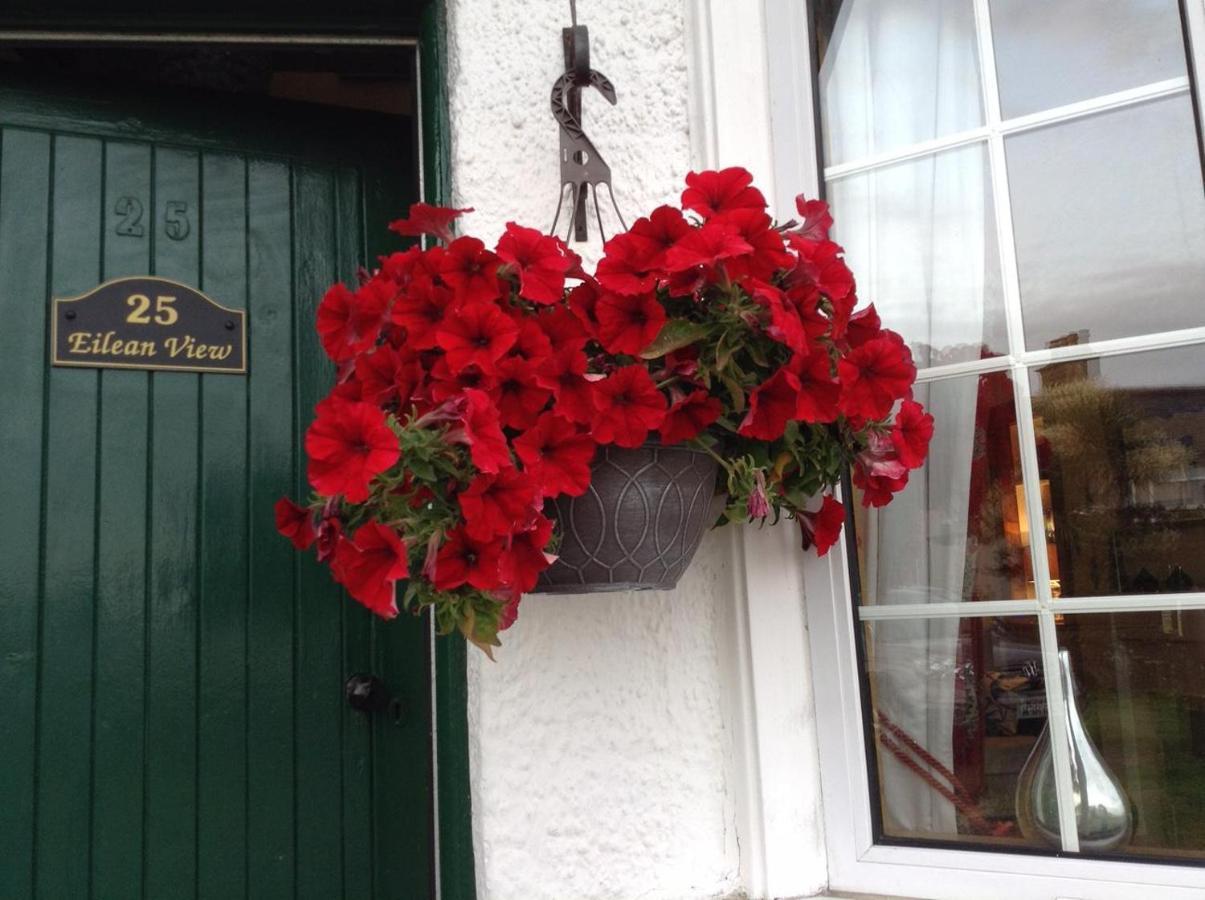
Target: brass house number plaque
[(148, 323)]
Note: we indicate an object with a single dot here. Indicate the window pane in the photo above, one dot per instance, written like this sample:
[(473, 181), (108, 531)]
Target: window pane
[(957, 531), (1109, 214), (1141, 696), (922, 237), (895, 72), (1119, 443), (959, 705), (1051, 54)]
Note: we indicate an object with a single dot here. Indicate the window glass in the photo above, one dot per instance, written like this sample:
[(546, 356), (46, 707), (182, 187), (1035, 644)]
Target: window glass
[(1119, 448), (921, 236), (896, 72), (1050, 54), (1140, 694), (959, 707), (1109, 216), (958, 531)]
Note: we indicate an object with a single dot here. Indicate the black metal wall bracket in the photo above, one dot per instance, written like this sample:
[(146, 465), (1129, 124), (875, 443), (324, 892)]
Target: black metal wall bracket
[(582, 166)]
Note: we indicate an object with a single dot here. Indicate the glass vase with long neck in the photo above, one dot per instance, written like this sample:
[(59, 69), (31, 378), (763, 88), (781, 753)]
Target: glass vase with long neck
[(1103, 816)]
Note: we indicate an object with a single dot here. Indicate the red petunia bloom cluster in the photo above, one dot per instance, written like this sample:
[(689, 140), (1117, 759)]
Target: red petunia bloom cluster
[(474, 384)]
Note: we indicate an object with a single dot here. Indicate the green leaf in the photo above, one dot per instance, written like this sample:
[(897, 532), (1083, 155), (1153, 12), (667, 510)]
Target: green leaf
[(674, 335)]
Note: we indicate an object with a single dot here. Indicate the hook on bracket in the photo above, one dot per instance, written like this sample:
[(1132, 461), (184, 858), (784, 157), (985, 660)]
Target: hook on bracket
[(582, 166)]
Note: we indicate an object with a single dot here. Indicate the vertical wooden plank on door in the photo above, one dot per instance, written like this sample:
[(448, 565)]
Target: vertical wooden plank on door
[(273, 440), (357, 621), (319, 646), (117, 707), (68, 572), (403, 854), (222, 639), (171, 800), (24, 199)]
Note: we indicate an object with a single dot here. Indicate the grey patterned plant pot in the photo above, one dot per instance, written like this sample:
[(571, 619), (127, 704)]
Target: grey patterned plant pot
[(639, 524)]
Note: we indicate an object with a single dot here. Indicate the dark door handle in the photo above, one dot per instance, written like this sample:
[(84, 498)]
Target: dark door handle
[(368, 694)]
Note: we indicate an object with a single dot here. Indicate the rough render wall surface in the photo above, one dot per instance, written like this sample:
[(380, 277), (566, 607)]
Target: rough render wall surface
[(599, 754)]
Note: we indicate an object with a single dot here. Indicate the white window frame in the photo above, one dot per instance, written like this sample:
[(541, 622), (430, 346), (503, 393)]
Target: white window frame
[(854, 862)]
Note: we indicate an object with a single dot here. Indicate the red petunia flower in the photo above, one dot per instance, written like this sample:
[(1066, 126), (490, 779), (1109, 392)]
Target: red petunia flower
[(471, 271), (878, 471), (538, 261), (784, 325), (626, 266), (295, 522), (627, 323), (426, 219), (911, 434), (769, 253), (771, 405), (462, 560), (495, 504), (421, 310), (532, 344), (477, 334), (522, 562), (863, 326), (819, 391), (350, 323), (520, 395), (564, 373), (816, 219), (705, 246), (557, 455), (583, 300), (628, 406), (481, 430), (447, 383), (708, 193), (634, 259), (689, 416), (822, 528), (562, 327), (369, 565), (875, 375), (348, 444), (387, 378)]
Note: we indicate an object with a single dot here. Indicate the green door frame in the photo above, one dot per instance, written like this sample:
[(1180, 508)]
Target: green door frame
[(453, 826)]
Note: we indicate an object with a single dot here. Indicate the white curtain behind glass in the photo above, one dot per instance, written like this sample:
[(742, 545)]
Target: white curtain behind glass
[(917, 237)]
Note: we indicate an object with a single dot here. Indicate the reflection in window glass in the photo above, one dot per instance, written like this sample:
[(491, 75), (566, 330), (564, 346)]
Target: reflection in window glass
[(922, 237), (1051, 54), (957, 531), (959, 705), (1119, 448), (895, 72), (1141, 693), (1110, 224)]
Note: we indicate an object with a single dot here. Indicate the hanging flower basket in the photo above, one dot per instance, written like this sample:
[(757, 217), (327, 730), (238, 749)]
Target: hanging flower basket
[(638, 525), (503, 421)]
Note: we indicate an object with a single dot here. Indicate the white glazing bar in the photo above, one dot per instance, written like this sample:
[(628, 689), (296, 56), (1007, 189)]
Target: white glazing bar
[(969, 610), (1059, 740), (912, 151), (1169, 87), (1025, 429), (962, 369), (1131, 603), (1164, 340)]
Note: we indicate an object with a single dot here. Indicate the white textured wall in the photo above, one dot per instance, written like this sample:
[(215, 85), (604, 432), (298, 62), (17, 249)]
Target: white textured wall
[(601, 765)]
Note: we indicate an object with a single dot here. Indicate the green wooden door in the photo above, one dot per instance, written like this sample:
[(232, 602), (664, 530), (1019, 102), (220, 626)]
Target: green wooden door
[(172, 721)]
